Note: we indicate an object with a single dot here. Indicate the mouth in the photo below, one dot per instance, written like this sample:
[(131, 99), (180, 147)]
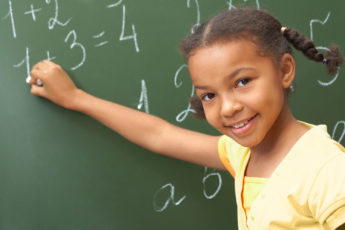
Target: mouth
[(241, 128)]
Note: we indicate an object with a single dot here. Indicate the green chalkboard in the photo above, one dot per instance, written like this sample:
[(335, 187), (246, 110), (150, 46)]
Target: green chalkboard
[(63, 170)]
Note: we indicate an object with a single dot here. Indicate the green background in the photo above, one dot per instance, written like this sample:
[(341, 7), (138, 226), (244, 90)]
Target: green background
[(63, 170)]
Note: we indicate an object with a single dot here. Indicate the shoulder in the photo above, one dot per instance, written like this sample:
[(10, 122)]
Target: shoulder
[(327, 194), (231, 153), (317, 146)]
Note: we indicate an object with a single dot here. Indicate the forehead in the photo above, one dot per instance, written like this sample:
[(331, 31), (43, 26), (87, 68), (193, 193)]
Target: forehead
[(221, 58)]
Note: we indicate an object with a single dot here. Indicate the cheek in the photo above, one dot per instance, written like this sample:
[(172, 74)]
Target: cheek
[(270, 92), (270, 101), (212, 117)]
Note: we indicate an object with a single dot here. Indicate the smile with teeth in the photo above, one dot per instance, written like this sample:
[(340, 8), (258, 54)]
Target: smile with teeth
[(240, 125), (242, 128)]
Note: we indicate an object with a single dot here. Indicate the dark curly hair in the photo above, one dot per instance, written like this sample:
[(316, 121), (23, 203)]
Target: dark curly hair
[(261, 28)]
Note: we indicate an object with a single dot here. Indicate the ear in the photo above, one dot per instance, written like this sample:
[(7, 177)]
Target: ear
[(287, 70)]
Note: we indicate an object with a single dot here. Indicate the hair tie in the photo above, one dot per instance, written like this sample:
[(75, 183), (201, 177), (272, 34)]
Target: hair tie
[(282, 30), (324, 61)]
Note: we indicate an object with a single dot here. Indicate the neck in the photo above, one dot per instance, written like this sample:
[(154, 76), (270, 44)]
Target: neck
[(284, 133)]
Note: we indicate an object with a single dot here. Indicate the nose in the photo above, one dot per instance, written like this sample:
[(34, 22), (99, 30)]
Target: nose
[(230, 106)]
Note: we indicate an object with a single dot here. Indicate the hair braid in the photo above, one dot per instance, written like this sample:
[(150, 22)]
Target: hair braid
[(333, 57)]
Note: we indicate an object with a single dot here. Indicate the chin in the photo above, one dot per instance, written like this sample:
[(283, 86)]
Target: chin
[(248, 142)]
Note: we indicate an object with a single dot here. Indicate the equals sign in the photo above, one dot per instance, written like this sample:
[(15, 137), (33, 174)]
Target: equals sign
[(97, 36)]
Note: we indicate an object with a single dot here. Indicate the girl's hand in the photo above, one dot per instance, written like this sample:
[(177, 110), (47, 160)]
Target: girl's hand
[(57, 85)]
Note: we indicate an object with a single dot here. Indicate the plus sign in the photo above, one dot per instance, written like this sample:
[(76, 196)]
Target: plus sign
[(32, 12), (48, 56)]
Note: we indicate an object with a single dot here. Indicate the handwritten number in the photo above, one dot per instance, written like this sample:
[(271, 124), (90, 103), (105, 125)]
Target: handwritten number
[(335, 76), (10, 14), (231, 6), (197, 14), (322, 48), (53, 21), (317, 21), (76, 44), (183, 115), (143, 101), (128, 37), (26, 61), (114, 4)]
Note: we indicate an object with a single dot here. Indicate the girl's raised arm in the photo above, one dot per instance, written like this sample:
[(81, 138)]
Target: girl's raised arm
[(141, 128)]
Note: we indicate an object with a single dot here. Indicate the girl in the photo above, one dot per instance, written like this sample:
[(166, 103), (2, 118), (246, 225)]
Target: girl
[(288, 174)]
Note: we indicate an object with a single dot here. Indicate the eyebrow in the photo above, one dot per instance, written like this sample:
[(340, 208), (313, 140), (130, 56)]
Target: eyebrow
[(232, 75)]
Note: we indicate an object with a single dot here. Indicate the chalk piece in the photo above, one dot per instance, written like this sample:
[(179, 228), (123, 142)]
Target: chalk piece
[(39, 82), (28, 79)]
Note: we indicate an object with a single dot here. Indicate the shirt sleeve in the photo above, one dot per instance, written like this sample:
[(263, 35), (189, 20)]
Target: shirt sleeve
[(327, 197), (337, 219), (223, 154)]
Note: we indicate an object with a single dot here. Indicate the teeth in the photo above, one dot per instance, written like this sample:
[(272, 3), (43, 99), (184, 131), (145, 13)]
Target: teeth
[(240, 125)]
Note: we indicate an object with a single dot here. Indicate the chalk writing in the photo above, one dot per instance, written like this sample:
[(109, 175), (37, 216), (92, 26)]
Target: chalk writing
[(322, 48), (128, 37), (53, 21), (33, 12), (99, 36), (335, 76), (178, 84), (122, 35), (197, 14), (114, 4), (183, 115), (76, 44), (205, 178), (170, 198), (26, 61), (317, 21), (231, 6), (48, 56), (335, 129), (143, 101), (10, 14)]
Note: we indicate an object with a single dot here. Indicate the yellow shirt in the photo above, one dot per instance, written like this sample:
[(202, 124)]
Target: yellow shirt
[(252, 187), (306, 190)]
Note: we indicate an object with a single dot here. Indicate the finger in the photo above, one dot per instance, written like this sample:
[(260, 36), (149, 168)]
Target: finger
[(37, 91), (35, 78), (34, 74), (38, 73)]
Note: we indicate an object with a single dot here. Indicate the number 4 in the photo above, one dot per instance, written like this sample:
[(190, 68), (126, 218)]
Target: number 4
[(128, 37)]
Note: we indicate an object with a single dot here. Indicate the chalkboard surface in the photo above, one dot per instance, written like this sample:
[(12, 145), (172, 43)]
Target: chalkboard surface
[(62, 170)]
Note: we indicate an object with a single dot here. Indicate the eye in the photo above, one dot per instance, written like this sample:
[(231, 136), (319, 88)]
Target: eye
[(242, 82), (207, 96)]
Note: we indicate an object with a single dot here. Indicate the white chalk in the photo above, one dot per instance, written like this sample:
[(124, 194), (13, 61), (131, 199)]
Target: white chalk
[(38, 82), (28, 79)]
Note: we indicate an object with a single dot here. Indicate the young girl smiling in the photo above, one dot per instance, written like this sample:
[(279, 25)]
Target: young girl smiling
[(288, 174)]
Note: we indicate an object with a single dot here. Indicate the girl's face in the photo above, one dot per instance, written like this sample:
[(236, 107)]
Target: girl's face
[(242, 92)]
